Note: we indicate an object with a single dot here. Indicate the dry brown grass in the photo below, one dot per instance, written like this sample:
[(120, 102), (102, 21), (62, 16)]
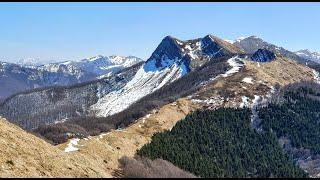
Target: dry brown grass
[(25, 155), (281, 71), (108, 149)]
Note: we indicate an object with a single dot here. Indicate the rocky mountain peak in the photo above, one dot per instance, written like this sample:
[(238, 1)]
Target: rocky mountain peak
[(263, 55), (164, 55)]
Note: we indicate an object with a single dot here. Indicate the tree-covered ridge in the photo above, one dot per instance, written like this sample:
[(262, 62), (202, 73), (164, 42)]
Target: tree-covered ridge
[(296, 118), (221, 143)]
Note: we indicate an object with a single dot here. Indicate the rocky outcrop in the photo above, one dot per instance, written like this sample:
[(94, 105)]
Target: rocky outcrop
[(263, 55)]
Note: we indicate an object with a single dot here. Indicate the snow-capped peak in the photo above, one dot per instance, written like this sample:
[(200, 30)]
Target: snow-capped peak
[(309, 55), (94, 58), (245, 37), (30, 62), (304, 51), (307, 52), (102, 65)]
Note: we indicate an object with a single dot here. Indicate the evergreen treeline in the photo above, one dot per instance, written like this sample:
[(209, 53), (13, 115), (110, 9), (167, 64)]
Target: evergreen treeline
[(221, 143)]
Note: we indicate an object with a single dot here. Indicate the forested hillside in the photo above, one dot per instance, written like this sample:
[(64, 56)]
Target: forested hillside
[(222, 143), (296, 116)]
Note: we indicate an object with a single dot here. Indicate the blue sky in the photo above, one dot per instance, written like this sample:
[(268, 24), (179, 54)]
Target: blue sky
[(73, 31)]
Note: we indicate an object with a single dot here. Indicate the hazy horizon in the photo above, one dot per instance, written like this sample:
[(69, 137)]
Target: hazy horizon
[(73, 31)]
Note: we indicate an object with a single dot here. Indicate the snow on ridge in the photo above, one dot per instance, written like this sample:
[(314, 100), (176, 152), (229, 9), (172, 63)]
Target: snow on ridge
[(99, 65), (71, 146), (235, 66), (214, 101), (94, 58)]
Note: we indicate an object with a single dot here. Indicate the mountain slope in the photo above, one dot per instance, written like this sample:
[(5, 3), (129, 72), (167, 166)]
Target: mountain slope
[(171, 60), (176, 69), (218, 75), (24, 155), (16, 78), (224, 90), (51, 105), (111, 146)]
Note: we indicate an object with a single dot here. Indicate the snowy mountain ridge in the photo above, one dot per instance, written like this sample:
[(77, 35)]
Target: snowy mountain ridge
[(23, 76), (312, 56), (172, 59), (98, 65)]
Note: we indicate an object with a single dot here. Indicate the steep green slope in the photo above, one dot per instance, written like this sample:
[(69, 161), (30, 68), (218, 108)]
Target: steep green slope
[(221, 143)]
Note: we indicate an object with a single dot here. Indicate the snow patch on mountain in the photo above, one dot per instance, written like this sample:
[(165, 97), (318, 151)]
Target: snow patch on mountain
[(214, 101), (72, 145), (316, 76), (148, 79), (255, 100), (247, 80), (245, 102), (250, 103), (234, 62)]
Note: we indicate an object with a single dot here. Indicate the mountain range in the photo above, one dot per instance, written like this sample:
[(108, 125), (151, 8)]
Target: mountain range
[(20, 77), (102, 108)]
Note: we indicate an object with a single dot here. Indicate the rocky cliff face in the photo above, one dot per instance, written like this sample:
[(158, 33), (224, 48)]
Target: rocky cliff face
[(263, 55)]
